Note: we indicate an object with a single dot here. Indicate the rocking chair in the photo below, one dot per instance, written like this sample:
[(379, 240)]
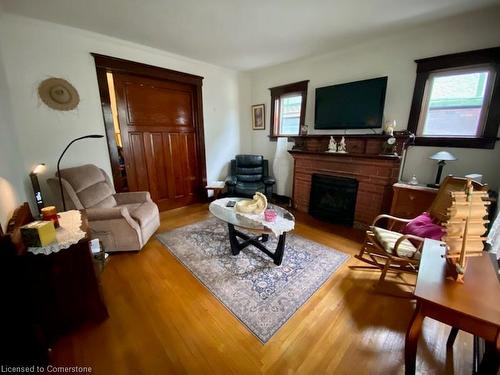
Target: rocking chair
[(390, 250)]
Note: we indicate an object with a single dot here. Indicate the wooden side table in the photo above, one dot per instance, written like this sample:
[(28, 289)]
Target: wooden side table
[(65, 290), (409, 201), (49, 295), (473, 306), (218, 189)]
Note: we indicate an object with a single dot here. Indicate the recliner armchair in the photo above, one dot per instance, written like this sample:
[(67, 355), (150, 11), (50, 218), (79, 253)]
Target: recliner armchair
[(249, 174), (121, 221)]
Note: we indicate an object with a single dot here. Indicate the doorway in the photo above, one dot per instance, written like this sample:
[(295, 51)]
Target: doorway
[(154, 128)]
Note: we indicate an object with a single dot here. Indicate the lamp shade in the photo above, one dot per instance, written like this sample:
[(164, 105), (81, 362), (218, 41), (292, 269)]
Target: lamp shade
[(39, 168), (443, 155)]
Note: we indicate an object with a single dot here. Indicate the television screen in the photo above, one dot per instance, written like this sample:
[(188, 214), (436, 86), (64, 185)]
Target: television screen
[(354, 105)]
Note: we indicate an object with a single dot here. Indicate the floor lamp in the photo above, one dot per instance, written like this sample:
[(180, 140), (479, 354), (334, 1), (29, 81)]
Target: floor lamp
[(410, 141), (59, 161)]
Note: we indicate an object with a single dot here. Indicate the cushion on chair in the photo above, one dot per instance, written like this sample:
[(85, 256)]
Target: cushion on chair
[(249, 188), (90, 185), (249, 168), (144, 213), (98, 195), (388, 239), (423, 226)]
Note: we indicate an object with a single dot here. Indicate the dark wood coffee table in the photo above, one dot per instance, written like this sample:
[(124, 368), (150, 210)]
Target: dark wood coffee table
[(235, 220)]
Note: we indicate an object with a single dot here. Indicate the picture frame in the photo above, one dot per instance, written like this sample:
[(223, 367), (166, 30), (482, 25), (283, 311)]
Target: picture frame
[(259, 117)]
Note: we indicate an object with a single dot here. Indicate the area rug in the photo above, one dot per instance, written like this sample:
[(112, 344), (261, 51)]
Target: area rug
[(260, 294)]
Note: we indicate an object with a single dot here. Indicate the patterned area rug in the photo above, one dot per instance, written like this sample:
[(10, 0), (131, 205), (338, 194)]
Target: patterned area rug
[(260, 294)]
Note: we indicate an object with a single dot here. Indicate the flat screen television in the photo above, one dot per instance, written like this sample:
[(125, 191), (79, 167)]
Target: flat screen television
[(354, 105)]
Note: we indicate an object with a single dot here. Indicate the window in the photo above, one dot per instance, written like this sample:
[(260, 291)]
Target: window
[(455, 103), (452, 100), (288, 109)]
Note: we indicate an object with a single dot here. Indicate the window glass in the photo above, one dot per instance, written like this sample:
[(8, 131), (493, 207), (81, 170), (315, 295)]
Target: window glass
[(289, 117), (455, 103)]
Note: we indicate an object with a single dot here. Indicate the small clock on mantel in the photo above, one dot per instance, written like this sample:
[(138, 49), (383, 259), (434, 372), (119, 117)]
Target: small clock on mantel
[(389, 146)]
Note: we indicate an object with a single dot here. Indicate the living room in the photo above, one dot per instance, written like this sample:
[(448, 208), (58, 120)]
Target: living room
[(168, 311)]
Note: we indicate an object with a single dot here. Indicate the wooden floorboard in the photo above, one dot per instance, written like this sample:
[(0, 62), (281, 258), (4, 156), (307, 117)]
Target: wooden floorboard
[(163, 321)]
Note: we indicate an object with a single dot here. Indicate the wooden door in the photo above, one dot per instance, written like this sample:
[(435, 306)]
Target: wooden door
[(157, 122)]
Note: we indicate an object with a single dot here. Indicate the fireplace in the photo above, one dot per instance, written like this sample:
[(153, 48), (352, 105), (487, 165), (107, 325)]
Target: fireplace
[(333, 198)]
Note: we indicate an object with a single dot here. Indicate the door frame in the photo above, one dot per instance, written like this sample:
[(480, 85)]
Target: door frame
[(105, 64)]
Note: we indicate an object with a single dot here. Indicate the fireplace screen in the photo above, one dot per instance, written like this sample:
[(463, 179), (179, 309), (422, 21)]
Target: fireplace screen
[(333, 198)]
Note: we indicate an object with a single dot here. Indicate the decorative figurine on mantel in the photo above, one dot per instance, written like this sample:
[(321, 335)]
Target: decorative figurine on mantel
[(342, 146), (389, 127), (304, 129), (389, 146), (332, 145)]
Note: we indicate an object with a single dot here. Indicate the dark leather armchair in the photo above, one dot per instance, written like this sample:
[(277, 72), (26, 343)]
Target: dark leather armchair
[(249, 174)]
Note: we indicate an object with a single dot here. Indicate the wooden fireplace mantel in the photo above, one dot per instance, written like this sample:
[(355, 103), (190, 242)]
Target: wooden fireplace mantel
[(356, 143), (346, 155), (374, 172)]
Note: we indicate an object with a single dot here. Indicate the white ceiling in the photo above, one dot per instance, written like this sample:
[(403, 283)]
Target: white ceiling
[(242, 34)]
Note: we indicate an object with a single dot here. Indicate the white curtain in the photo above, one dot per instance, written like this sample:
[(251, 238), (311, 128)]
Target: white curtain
[(281, 166), (493, 238)]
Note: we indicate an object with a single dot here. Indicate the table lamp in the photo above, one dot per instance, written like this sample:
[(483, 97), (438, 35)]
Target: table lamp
[(39, 168), (442, 156), (59, 161)]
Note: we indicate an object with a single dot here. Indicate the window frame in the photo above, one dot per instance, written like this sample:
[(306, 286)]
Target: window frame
[(489, 58), (450, 72), (277, 92)]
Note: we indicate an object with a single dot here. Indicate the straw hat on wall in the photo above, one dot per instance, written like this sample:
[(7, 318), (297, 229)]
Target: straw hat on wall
[(58, 94)]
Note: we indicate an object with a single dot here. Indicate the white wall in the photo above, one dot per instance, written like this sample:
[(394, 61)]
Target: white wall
[(12, 191), (392, 56), (11, 167), (35, 50)]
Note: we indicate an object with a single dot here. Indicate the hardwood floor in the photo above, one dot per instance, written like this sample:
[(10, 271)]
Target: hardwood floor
[(163, 321)]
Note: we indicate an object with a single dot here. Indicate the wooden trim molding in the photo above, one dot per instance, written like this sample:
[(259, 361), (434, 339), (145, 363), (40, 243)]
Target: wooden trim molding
[(490, 57), (107, 115), (106, 64), (120, 65), (276, 93)]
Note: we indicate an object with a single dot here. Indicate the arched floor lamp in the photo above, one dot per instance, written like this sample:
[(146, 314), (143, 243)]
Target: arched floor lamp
[(59, 161)]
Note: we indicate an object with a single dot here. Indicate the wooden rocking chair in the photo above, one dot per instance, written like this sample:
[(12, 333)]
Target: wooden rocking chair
[(390, 250)]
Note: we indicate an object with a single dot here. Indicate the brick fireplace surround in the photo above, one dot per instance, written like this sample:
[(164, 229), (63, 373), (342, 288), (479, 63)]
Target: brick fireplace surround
[(375, 173)]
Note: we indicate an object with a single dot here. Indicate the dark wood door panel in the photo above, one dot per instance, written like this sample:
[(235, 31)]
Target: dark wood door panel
[(156, 157), (157, 128), (177, 164), (137, 170), (150, 103), (192, 164), (143, 93), (160, 140)]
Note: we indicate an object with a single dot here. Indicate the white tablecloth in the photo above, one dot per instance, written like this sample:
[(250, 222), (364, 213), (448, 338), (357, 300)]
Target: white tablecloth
[(68, 233)]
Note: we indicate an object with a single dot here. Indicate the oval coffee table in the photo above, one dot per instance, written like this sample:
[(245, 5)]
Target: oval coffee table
[(234, 219)]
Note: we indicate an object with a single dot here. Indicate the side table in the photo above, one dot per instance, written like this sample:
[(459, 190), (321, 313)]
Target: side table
[(53, 294), (409, 201), (473, 306), (217, 187)]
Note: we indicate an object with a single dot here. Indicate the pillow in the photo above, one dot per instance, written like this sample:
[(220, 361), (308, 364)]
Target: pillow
[(423, 226)]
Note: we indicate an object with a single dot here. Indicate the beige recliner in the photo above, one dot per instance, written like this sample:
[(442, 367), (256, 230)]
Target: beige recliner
[(122, 221)]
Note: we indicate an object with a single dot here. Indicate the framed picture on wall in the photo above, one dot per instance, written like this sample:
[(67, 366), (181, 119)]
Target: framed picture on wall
[(258, 117)]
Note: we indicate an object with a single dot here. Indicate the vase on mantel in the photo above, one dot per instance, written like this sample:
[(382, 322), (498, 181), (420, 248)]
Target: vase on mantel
[(281, 166)]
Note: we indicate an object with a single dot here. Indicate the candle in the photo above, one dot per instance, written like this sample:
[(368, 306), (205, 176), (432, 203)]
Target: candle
[(270, 215), (49, 213)]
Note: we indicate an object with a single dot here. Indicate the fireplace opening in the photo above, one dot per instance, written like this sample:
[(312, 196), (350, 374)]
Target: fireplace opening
[(333, 198)]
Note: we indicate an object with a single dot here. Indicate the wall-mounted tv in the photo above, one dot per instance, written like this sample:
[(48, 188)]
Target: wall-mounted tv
[(354, 105)]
